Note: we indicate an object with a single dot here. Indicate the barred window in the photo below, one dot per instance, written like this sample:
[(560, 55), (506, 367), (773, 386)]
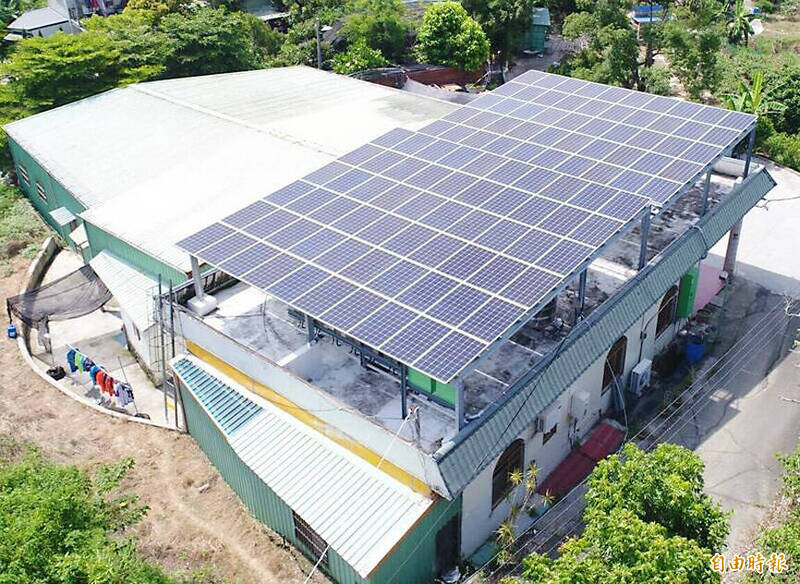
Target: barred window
[(310, 539), (666, 312), (510, 461)]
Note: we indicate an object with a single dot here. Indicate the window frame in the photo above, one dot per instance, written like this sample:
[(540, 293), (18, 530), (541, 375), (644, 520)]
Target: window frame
[(620, 352), (310, 540), (549, 434), (667, 310), (513, 458)]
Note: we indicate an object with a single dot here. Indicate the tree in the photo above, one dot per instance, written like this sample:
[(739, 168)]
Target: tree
[(610, 52), (48, 72), (449, 36), (143, 48), (739, 23), (381, 25), (208, 41), (664, 486), (693, 41), (620, 547), (504, 22), (647, 520), (358, 57), (157, 7)]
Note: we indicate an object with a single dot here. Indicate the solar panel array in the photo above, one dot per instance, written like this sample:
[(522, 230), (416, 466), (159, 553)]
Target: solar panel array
[(429, 245)]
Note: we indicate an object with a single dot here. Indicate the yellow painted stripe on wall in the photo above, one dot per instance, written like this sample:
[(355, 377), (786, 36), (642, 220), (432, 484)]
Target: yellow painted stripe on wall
[(309, 419)]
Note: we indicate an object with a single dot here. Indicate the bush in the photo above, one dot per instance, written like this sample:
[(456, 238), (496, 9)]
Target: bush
[(784, 149), (656, 80), (449, 36), (358, 57), (56, 524)]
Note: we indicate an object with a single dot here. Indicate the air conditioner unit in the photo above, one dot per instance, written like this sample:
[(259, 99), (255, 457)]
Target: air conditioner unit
[(580, 405), (549, 418), (640, 377)]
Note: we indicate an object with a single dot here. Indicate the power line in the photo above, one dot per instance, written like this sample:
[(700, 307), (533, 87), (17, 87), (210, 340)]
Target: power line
[(734, 353)]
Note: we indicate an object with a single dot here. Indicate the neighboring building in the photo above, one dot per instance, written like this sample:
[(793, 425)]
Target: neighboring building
[(537, 39), (42, 22), (644, 15), (408, 315)]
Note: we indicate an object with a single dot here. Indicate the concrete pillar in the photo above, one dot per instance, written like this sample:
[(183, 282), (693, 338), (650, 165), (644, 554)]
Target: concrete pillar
[(733, 236), (196, 277), (202, 303), (706, 190), (581, 295)]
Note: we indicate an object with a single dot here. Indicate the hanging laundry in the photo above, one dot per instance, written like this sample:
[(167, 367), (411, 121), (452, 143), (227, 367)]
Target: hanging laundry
[(125, 395), (87, 364), (71, 361), (79, 361), (93, 373), (108, 385)]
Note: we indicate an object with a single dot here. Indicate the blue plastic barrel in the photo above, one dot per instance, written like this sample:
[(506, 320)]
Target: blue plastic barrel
[(695, 351), (11, 331)]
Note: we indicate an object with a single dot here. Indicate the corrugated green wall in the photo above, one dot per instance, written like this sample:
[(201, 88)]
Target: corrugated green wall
[(412, 562), (57, 195), (100, 240)]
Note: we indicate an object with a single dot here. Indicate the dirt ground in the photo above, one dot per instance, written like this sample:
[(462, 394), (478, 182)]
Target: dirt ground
[(203, 536)]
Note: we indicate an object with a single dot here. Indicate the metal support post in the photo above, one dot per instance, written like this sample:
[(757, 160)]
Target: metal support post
[(196, 278), (645, 234), (706, 190), (319, 44), (460, 417), (163, 342), (581, 295), (403, 391), (729, 264), (310, 329)]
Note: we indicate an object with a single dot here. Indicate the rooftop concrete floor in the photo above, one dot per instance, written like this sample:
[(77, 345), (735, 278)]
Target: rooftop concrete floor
[(99, 336)]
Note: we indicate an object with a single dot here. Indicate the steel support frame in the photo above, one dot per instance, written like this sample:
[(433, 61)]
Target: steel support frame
[(645, 235)]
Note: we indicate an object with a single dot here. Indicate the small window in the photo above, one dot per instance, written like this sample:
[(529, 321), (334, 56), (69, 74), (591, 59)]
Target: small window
[(666, 312), (40, 191), (510, 461), (615, 363), (549, 434), (23, 173), (310, 539)]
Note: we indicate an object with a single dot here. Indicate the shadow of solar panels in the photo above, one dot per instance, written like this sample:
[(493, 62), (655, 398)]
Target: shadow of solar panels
[(431, 245)]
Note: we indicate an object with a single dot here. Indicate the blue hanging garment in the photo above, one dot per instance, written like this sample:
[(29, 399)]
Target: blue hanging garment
[(71, 361)]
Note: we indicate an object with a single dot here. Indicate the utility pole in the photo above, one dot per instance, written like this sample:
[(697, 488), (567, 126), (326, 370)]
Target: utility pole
[(319, 44)]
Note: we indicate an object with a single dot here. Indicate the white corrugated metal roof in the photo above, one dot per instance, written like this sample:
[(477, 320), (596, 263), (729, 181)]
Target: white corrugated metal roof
[(168, 157), (39, 18), (361, 512), (62, 216), (132, 289), (79, 236)]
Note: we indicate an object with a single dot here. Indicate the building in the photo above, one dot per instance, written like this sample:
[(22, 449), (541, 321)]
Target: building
[(427, 298), (125, 209), (537, 38), (41, 22)]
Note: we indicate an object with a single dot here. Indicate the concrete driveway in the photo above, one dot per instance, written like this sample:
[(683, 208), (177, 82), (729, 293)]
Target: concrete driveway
[(769, 247)]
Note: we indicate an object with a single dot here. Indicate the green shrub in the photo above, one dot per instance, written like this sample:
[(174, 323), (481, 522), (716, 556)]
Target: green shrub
[(784, 149), (359, 57), (449, 36)]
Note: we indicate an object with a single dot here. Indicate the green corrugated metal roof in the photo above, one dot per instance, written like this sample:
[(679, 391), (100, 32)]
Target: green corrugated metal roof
[(482, 442), (229, 409)]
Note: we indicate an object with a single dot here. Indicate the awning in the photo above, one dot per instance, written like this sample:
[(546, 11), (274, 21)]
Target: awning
[(132, 289), (604, 439), (361, 512), (62, 216), (79, 236)]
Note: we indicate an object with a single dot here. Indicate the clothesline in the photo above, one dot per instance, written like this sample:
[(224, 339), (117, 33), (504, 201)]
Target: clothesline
[(122, 391)]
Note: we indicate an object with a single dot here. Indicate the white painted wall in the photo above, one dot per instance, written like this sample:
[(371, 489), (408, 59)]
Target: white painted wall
[(479, 520), (339, 418)]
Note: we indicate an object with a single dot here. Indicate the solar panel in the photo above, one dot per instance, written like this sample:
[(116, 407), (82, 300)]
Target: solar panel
[(473, 221)]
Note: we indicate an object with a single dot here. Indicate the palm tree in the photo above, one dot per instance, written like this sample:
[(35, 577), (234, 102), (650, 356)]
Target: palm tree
[(739, 23)]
